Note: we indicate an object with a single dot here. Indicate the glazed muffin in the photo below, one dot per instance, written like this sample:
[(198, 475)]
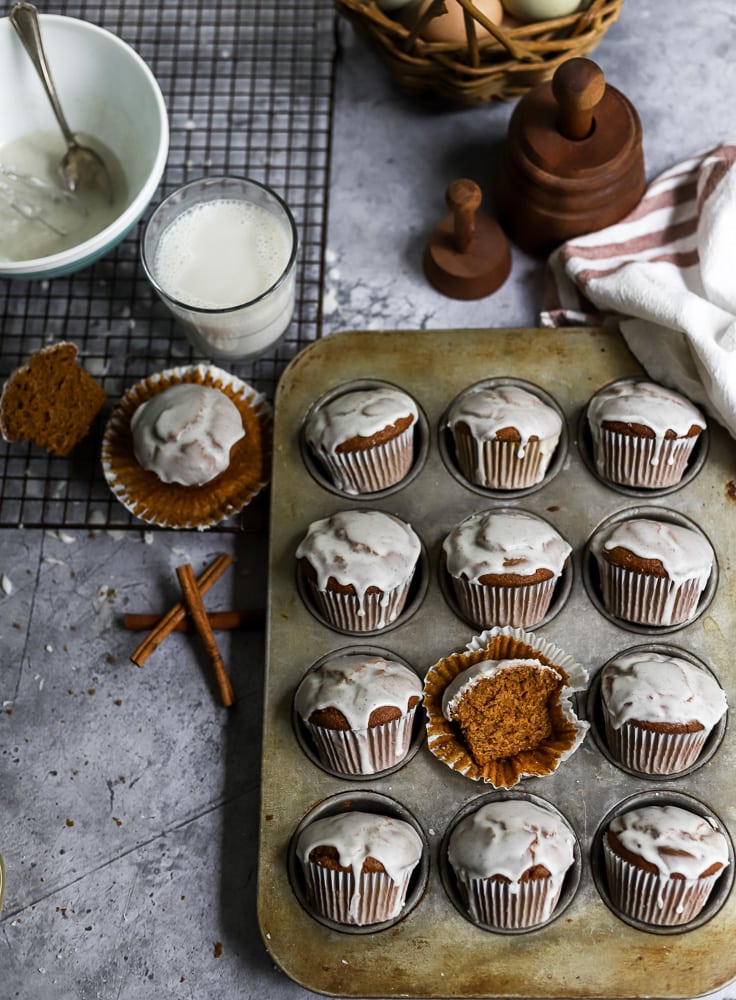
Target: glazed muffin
[(364, 438), (643, 434), (510, 858), (503, 567), (358, 566), (652, 572), (188, 447), (662, 863), (359, 710), (504, 436), (357, 865), (658, 710)]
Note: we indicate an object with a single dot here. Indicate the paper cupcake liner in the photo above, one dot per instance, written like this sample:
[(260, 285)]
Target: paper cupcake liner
[(371, 469), (364, 751), (502, 465), (171, 505), (569, 731), (373, 612), (335, 895), (653, 753), (510, 906), (652, 899), (642, 462), (486, 606), (648, 600)]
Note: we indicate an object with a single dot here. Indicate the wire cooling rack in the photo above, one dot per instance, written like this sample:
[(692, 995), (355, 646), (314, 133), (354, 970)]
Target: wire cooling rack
[(249, 91)]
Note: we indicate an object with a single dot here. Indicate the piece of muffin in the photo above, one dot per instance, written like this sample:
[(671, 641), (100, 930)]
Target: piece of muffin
[(510, 858), (358, 566), (364, 438), (658, 710), (652, 572), (51, 400), (357, 865), (643, 434), (662, 863), (503, 567), (504, 435), (359, 710), (188, 447)]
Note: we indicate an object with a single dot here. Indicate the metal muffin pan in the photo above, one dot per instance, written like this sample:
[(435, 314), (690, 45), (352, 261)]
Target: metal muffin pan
[(587, 949)]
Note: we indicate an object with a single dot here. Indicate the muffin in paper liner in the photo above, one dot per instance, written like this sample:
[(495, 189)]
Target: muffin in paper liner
[(348, 612), (502, 465), (648, 600), (171, 505), (506, 906), (370, 470), (364, 751), (519, 606), (652, 752), (642, 462), (375, 899), (505, 643)]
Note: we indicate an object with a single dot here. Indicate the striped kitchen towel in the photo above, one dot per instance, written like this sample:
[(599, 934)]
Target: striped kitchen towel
[(666, 274)]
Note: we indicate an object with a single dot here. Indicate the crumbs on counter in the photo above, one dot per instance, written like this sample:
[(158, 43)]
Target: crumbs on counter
[(218, 949)]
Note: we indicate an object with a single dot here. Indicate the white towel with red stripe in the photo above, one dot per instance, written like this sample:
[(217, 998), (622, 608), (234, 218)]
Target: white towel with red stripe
[(666, 274)]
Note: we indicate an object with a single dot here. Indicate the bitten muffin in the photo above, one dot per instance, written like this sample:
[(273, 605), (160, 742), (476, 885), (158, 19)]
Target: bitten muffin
[(662, 863), (359, 711), (51, 400), (503, 567), (358, 865), (652, 572), (643, 434), (658, 710), (364, 438), (510, 858), (504, 436), (358, 566)]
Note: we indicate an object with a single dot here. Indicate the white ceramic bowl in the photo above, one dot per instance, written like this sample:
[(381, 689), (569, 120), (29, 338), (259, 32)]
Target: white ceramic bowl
[(107, 91)]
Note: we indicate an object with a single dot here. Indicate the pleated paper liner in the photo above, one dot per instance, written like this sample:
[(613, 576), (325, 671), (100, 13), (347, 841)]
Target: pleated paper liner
[(171, 505), (568, 731)]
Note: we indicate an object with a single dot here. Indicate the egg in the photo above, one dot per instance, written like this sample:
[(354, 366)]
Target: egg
[(450, 27), (543, 10)]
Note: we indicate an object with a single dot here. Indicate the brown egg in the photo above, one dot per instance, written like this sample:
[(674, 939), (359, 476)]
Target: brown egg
[(450, 27)]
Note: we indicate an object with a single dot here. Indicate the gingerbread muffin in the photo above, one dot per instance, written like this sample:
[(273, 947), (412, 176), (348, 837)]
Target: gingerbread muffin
[(364, 438), (51, 400), (504, 435), (652, 572), (510, 858), (662, 863), (658, 710), (359, 710), (358, 865), (358, 566), (643, 434), (503, 567)]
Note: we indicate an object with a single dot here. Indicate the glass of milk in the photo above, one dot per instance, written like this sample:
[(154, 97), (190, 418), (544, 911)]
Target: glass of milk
[(221, 254)]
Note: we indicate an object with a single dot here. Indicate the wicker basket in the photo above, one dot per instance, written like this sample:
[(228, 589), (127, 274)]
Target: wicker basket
[(503, 66)]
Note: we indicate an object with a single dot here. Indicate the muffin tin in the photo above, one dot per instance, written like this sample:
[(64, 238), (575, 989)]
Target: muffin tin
[(433, 950)]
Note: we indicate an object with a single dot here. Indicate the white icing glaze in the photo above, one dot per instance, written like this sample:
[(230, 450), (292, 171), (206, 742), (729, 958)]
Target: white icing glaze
[(656, 832), (487, 409), (507, 838), (184, 433), (652, 687), (504, 542), (482, 670), (356, 685), (644, 403), (361, 548), (684, 553), (360, 413)]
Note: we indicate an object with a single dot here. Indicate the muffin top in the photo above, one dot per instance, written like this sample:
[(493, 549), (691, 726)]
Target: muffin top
[(672, 840), (360, 413), (646, 405), (682, 552), (357, 685), (653, 687), (509, 838), (486, 410), (499, 543), (357, 836), (184, 433)]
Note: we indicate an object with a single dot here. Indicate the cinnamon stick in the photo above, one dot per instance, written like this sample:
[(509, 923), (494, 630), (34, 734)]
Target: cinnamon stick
[(177, 614), (193, 601), (219, 620)]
